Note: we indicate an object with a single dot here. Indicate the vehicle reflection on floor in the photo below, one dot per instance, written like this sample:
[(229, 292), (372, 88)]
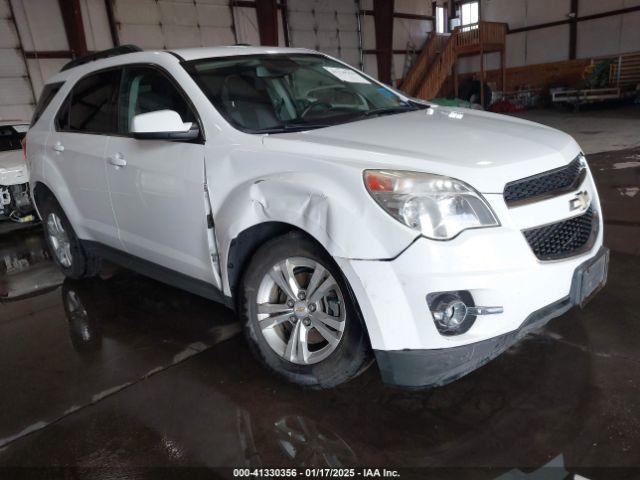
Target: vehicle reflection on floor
[(132, 400)]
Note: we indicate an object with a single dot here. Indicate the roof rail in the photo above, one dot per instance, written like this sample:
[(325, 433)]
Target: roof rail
[(112, 52)]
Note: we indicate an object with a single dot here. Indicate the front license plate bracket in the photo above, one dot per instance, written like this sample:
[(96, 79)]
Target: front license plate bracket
[(590, 277)]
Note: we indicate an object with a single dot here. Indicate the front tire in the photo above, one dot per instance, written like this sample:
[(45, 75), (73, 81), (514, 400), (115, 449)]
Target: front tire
[(300, 317), (66, 250)]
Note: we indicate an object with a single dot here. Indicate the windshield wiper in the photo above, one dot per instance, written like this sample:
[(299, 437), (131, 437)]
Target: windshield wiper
[(388, 111), (292, 127), (301, 126)]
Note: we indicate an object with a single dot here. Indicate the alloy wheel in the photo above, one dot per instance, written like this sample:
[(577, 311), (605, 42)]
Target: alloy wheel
[(59, 240), (301, 310)]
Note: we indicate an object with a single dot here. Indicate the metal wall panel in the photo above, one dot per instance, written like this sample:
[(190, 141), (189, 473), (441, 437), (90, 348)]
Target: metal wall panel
[(419, 7), (371, 65), (516, 50), (589, 7), (609, 35), (40, 25), (329, 26), (96, 25), (16, 93), (12, 63), (600, 37), (246, 22), (630, 35), (513, 12), (40, 29), (547, 45), (544, 11), (174, 23)]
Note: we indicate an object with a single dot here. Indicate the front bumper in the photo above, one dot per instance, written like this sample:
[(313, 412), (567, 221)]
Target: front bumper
[(437, 367)]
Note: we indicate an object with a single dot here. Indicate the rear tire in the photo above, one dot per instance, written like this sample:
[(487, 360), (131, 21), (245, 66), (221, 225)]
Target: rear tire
[(65, 248), (311, 334)]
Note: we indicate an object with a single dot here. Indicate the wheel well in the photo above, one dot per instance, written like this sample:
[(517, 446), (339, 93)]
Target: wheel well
[(245, 245), (41, 192)]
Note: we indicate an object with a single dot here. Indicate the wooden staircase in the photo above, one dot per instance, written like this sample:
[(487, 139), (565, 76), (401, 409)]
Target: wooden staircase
[(441, 51)]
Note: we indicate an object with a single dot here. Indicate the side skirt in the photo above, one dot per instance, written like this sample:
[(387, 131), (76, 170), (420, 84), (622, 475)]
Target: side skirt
[(158, 272)]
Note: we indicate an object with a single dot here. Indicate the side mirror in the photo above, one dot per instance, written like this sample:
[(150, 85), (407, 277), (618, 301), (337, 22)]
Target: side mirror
[(163, 125)]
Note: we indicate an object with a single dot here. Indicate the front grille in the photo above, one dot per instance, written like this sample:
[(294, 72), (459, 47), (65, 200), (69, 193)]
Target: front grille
[(553, 182), (564, 239)]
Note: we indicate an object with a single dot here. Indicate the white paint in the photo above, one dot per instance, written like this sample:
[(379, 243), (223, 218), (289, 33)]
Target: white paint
[(13, 169), (159, 121)]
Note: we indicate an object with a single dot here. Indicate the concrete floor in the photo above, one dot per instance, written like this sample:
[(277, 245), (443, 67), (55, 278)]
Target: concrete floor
[(595, 129), (145, 376)]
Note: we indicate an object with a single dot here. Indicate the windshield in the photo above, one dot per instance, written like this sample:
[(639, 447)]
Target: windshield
[(274, 93)]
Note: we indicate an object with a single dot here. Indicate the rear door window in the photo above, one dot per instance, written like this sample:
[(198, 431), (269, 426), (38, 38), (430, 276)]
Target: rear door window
[(92, 105), (48, 92)]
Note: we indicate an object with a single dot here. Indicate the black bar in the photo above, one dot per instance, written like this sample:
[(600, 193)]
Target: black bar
[(115, 37)]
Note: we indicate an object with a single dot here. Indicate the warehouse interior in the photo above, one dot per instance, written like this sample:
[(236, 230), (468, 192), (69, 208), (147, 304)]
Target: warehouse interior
[(122, 376)]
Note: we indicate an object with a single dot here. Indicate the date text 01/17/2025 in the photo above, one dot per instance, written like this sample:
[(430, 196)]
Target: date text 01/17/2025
[(316, 473)]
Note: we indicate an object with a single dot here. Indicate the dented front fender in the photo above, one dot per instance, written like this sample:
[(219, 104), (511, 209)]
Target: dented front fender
[(326, 200)]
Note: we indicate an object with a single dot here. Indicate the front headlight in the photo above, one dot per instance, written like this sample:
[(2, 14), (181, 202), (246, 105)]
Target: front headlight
[(438, 207)]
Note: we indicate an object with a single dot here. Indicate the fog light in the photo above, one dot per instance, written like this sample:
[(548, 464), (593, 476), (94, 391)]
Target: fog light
[(450, 312), (450, 315), (455, 312)]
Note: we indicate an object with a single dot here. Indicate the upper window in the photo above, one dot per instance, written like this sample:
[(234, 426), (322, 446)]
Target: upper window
[(271, 93), (91, 107), (440, 20), (469, 13), (145, 90), (48, 92)]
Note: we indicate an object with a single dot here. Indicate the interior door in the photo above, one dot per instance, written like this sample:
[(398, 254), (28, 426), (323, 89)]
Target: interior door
[(77, 148), (157, 186)]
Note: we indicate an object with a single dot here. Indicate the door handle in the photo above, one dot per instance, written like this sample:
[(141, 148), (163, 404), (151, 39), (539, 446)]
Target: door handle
[(58, 147), (117, 160)]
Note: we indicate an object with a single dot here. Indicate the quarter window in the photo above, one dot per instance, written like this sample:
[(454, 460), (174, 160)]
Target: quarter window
[(147, 90), (48, 92), (91, 107)]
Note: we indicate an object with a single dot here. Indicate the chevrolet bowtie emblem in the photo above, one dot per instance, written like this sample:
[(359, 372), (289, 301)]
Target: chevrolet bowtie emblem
[(580, 202)]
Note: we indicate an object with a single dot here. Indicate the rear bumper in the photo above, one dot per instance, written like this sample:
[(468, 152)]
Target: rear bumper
[(423, 368)]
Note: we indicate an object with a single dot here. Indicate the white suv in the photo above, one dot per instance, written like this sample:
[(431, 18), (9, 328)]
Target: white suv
[(335, 215)]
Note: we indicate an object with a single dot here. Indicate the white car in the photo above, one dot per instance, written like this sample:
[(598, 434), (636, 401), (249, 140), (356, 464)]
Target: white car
[(15, 203), (336, 216)]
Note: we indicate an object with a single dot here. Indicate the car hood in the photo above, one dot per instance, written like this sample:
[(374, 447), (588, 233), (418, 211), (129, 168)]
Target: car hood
[(483, 149), (13, 169)]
